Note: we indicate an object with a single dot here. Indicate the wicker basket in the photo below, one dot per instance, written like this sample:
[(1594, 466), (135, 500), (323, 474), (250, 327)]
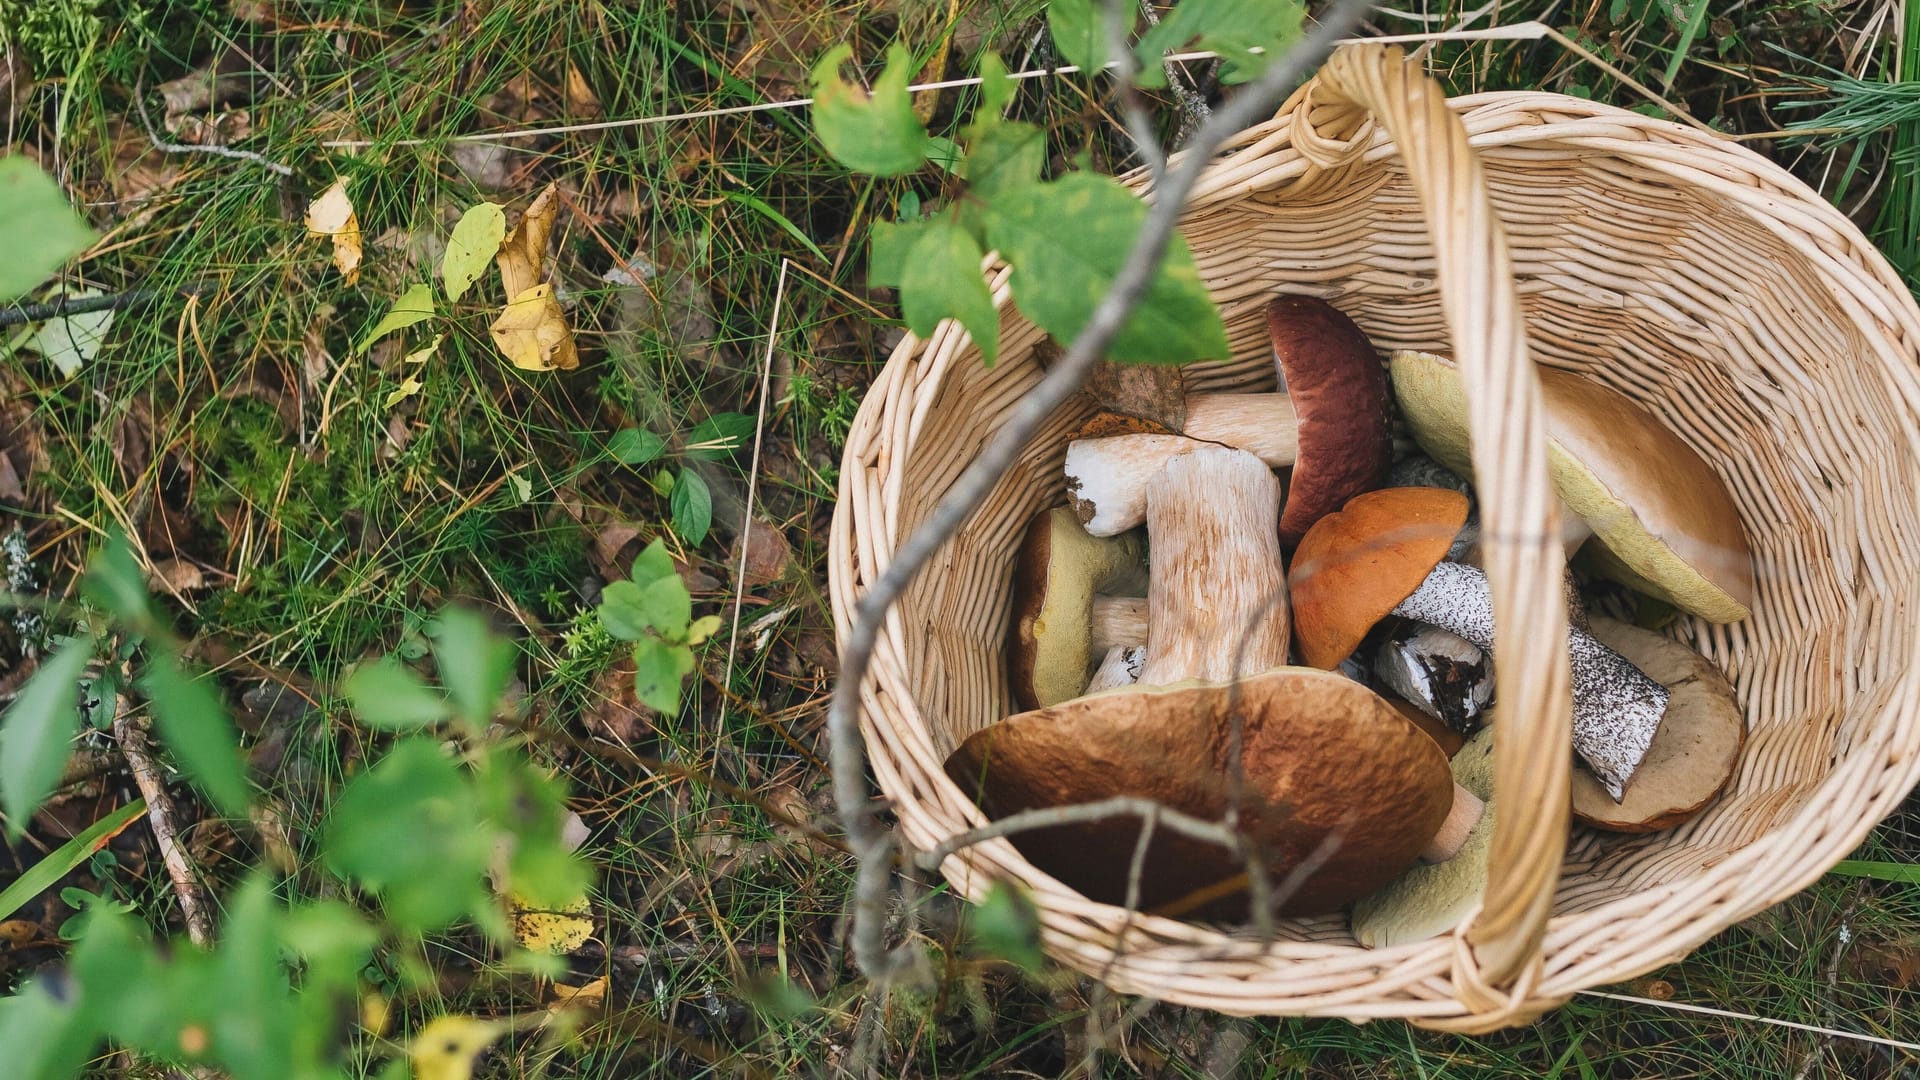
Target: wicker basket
[(1507, 229)]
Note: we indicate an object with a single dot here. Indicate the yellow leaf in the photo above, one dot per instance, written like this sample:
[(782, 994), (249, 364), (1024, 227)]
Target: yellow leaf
[(424, 353), (593, 993), (562, 931), (446, 1047), (525, 247), (702, 628), (533, 333), (404, 391), (332, 215), (475, 240)]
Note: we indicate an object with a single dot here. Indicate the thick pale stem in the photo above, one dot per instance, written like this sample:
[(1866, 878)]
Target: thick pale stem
[(1107, 477), (1616, 707), (1460, 821), (1118, 622), (1217, 588)]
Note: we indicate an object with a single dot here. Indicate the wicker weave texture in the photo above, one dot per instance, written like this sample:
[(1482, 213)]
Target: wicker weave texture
[(1508, 230)]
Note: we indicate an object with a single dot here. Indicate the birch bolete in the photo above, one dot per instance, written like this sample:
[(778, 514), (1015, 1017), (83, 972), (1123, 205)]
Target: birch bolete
[(1069, 606), (1328, 423), (1335, 787)]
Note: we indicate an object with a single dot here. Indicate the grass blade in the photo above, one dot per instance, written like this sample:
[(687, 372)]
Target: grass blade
[(1905, 873), (41, 875)]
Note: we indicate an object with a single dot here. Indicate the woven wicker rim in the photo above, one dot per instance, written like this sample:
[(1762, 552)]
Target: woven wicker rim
[(1370, 107)]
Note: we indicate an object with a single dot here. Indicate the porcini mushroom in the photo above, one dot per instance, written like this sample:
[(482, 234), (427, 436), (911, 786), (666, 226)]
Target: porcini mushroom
[(1694, 754), (1067, 611), (1330, 425), (1218, 597), (1381, 555), (1663, 522), (1429, 900)]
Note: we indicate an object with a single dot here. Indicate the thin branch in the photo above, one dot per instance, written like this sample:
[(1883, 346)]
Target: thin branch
[(153, 136), (1194, 109), (1133, 103), (131, 734), (865, 835), (21, 314), (1208, 832)]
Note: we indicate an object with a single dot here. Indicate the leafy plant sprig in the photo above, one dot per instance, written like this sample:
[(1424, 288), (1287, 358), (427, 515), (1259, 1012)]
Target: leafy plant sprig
[(654, 611)]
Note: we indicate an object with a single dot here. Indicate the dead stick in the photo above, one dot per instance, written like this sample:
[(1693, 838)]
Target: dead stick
[(131, 733)]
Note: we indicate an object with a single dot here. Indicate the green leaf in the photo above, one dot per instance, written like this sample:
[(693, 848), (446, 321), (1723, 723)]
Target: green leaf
[(658, 668), (719, 435), (47, 1030), (115, 583), (410, 830), (36, 735), (520, 799), (1232, 28), (668, 606), (1079, 30), (653, 562), (333, 940), (891, 241), (692, 507), (68, 343), (996, 90), (945, 154), (878, 134), (943, 281), (255, 1039), (475, 664), (195, 726), (1067, 239), (633, 446), (42, 875), (1004, 157), (41, 229), (415, 305), (623, 611), (1006, 925), (386, 695), (470, 250), (702, 628), (1903, 873)]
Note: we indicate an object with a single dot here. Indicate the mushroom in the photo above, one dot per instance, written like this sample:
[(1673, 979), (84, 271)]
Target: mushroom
[(1443, 675), (1121, 667), (1061, 621), (1430, 900), (1330, 424), (1695, 752), (1381, 555), (1664, 521), (1450, 740), (1337, 789)]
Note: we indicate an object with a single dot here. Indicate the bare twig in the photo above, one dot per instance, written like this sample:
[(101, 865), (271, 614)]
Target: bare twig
[(21, 314), (153, 136), (753, 470), (1133, 103), (131, 734), (1194, 109), (869, 841)]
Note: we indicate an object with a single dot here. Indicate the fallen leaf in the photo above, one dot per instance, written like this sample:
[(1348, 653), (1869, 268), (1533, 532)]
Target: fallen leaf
[(573, 831), (316, 360), (176, 576), (17, 932), (414, 305), (524, 249), (475, 240), (424, 353), (767, 554), (490, 165), (617, 714), (549, 931), (609, 543), (581, 102), (446, 1047), (592, 994), (407, 388), (332, 215), (532, 332), (70, 342)]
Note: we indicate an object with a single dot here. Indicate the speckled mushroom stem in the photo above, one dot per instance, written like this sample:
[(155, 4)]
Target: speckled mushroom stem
[(1121, 667), (1217, 588), (1616, 707)]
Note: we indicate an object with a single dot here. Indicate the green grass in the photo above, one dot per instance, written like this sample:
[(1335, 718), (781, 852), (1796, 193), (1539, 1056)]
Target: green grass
[(239, 432)]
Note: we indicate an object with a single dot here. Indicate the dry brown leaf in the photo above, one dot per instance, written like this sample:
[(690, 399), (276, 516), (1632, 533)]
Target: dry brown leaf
[(525, 248), (592, 994), (176, 576), (767, 553), (332, 215), (581, 102), (532, 332)]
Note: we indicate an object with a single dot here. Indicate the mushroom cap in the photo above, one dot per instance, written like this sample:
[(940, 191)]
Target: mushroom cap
[(1449, 740), (1430, 900), (1342, 404), (1665, 522), (1322, 755), (1694, 753), (1058, 570), (1355, 566)]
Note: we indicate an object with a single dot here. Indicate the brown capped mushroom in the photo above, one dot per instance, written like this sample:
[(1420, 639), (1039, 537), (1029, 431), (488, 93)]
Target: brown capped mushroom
[(1218, 595), (1381, 555), (1664, 522), (1062, 622), (1330, 425), (1694, 754)]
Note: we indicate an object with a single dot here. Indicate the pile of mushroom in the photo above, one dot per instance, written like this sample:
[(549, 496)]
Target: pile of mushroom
[(1163, 666)]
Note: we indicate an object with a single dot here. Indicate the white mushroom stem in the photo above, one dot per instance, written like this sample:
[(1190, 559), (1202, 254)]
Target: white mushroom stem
[(1119, 622), (1121, 667), (1107, 477), (1217, 587), (1441, 673), (1616, 707)]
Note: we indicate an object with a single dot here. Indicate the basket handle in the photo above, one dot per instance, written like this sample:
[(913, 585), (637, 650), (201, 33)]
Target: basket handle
[(1501, 946)]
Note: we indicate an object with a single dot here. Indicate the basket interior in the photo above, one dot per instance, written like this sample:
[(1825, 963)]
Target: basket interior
[(1729, 330)]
